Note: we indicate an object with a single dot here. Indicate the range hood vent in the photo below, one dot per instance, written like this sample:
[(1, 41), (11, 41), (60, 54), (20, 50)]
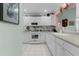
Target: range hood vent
[(35, 15)]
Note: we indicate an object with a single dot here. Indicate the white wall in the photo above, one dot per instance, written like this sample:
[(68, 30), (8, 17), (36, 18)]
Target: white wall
[(77, 10), (77, 17), (70, 14), (11, 38), (45, 20)]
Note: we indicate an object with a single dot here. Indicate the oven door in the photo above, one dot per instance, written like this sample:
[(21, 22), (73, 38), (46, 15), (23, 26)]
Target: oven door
[(35, 37)]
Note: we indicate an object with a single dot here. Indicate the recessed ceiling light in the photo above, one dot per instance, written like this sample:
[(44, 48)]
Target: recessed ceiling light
[(25, 10), (45, 10)]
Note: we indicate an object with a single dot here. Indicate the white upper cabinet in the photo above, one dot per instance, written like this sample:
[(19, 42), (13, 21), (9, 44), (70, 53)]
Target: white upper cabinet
[(28, 20), (43, 20)]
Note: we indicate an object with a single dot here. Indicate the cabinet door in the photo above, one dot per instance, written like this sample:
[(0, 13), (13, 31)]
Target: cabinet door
[(53, 47), (27, 36), (67, 53), (59, 47), (59, 50), (74, 50), (45, 21), (51, 44), (42, 36)]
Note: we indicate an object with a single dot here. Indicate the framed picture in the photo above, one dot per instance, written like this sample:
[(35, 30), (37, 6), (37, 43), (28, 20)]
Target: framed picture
[(9, 12), (1, 12), (64, 22), (71, 23)]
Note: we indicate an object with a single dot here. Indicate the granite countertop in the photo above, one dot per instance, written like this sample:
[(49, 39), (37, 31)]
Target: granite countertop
[(70, 38)]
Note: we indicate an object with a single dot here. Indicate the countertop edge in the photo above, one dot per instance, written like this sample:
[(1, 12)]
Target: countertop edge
[(66, 41)]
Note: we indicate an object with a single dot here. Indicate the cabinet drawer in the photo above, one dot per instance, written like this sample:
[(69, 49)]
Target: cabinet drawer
[(71, 48)]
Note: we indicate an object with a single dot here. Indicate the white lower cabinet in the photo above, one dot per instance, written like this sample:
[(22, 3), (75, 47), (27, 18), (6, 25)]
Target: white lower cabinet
[(42, 36), (59, 47), (74, 50), (27, 37), (51, 45), (66, 53), (59, 50)]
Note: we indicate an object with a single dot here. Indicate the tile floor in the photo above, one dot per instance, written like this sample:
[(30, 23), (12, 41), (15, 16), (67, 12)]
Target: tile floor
[(35, 50)]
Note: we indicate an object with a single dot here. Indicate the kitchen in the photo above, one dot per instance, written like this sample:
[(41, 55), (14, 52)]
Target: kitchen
[(44, 29), (40, 27)]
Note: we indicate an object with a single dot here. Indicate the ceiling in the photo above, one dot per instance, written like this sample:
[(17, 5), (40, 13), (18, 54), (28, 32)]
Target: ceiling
[(40, 8)]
